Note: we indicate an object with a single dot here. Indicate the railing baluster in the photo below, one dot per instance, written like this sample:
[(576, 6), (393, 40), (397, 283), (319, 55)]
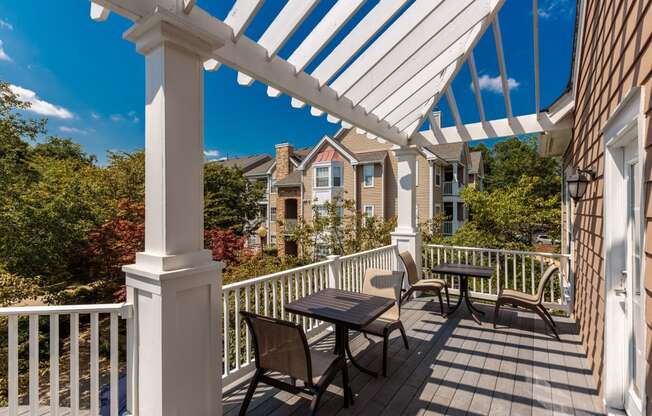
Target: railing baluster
[(523, 272), (95, 367), (303, 294), (226, 333), (74, 364), (33, 365), (13, 364), (54, 365), (282, 297), (246, 329), (274, 299), (532, 274), (114, 363), (238, 329), (265, 298)]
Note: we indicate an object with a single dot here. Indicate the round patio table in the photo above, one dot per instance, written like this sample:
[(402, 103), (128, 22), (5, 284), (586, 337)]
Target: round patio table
[(464, 271)]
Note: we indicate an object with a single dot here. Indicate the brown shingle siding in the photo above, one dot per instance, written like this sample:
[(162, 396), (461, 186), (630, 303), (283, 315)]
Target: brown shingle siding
[(615, 57)]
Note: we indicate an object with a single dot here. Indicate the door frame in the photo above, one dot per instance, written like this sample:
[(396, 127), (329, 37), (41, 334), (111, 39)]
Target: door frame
[(626, 124)]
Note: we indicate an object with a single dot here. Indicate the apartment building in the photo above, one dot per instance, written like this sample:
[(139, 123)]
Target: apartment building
[(354, 167)]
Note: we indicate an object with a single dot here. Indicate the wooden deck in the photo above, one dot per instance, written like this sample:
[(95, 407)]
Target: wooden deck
[(455, 367)]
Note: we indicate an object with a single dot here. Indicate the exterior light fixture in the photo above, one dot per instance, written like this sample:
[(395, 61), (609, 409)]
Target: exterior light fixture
[(578, 182)]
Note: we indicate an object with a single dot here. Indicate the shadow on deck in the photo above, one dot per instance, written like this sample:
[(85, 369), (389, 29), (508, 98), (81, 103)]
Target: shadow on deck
[(454, 367)]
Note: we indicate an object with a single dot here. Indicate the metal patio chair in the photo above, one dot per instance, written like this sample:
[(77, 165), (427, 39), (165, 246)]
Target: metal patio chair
[(425, 285), (281, 346), (527, 301)]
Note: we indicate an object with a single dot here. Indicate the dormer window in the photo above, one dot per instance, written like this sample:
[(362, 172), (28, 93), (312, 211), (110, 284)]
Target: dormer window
[(321, 177)]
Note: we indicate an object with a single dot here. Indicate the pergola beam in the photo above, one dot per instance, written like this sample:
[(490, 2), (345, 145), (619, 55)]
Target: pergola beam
[(535, 29), (452, 104), (504, 81), (326, 29), (527, 124), (360, 36), (476, 87)]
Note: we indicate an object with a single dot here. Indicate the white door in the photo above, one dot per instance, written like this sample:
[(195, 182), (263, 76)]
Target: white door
[(633, 284)]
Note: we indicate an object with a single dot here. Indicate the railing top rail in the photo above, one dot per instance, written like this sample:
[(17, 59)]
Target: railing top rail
[(63, 309), (373, 250), (272, 276), (499, 250)]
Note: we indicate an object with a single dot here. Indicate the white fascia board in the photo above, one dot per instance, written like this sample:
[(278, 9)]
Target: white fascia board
[(527, 124), (433, 36), (315, 150), (326, 29), (271, 168), (407, 22), (250, 58), (359, 36)]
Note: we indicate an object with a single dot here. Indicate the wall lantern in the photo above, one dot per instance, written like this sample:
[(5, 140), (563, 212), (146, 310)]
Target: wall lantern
[(578, 182)]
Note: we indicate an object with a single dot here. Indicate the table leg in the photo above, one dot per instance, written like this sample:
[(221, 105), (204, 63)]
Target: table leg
[(459, 297), (341, 348), (353, 361)]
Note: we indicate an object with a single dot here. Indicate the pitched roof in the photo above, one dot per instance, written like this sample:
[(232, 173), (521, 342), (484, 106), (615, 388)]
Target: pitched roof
[(246, 163), (293, 179), (348, 154), (261, 169), (371, 157), (447, 151), (476, 159)]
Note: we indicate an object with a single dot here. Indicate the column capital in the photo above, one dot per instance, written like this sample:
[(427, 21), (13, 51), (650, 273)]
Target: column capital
[(164, 27), (405, 150)]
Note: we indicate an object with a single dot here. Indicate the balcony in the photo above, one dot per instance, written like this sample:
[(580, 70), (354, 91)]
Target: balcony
[(454, 365), (452, 188)]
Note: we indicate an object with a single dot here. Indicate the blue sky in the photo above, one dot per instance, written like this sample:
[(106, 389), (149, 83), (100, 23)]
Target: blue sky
[(89, 82)]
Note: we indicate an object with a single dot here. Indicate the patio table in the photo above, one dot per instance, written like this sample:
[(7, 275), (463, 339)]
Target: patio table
[(346, 310), (464, 271)]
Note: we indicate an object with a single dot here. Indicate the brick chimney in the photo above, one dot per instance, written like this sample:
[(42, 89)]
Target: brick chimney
[(283, 164)]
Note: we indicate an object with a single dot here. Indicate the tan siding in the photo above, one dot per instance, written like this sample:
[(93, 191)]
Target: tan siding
[(615, 57), (423, 203), (371, 195)]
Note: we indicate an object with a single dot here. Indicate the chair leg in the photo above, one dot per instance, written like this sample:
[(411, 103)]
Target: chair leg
[(441, 304), (405, 340), (348, 398), (496, 311), (448, 299), (250, 392), (314, 404), (385, 342), (545, 319), (406, 296), (548, 315)]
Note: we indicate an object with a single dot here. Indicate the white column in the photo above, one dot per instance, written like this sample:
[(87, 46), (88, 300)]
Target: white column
[(431, 190), (455, 179), (174, 284), (406, 236)]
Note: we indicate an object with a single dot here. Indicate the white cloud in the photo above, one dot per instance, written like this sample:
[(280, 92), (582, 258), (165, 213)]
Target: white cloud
[(116, 118), (72, 130), (6, 25), (134, 118), (39, 106), (494, 84), (555, 8), (3, 54), (211, 153), (95, 116)]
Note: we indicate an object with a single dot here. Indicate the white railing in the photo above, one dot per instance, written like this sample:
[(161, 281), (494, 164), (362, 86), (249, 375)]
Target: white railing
[(90, 323), (447, 227), (448, 188), (267, 295), (353, 267), (518, 270)]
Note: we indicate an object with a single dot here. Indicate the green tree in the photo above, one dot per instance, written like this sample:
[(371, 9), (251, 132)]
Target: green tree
[(514, 158), (509, 217), (230, 199)]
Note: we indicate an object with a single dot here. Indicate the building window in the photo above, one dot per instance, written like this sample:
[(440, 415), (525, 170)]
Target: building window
[(321, 177), (337, 176), (272, 213), (320, 210), (438, 175), (368, 211), (368, 176)]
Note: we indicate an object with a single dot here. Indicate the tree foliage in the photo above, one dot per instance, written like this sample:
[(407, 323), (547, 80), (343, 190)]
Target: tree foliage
[(230, 199)]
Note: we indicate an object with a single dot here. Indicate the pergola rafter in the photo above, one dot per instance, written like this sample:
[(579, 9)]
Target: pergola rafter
[(384, 77)]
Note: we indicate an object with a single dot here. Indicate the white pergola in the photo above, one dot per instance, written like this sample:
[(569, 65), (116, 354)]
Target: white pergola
[(383, 78)]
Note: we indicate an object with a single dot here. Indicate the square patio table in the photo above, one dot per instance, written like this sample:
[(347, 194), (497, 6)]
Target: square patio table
[(464, 271), (346, 310)]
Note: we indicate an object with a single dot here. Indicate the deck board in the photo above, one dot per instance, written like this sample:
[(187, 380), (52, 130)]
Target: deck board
[(454, 367)]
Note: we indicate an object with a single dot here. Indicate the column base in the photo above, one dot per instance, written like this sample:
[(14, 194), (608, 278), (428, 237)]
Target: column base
[(177, 338), (409, 240)]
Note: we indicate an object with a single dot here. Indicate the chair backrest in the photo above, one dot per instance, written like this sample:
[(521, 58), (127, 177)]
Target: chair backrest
[(385, 283), (410, 267), (280, 346), (544, 280)]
